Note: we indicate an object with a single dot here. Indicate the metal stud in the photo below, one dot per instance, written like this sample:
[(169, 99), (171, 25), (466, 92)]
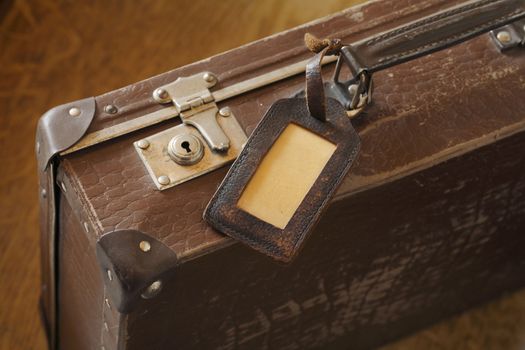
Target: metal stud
[(143, 144), (153, 290), (86, 226), (210, 78), (106, 301), (110, 275), (63, 186), (145, 246), (74, 112), (110, 109), (43, 193), (504, 36), (225, 112), (161, 95), (163, 180)]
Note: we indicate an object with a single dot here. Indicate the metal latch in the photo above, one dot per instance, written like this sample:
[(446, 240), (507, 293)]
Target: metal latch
[(207, 139), (509, 36)]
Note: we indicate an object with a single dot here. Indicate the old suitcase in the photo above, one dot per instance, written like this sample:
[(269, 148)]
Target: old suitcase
[(428, 222)]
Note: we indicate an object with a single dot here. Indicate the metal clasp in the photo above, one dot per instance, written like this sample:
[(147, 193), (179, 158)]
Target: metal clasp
[(196, 106), (356, 92), (207, 139)]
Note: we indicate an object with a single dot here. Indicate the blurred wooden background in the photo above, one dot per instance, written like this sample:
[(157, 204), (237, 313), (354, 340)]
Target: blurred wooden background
[(55, 51)]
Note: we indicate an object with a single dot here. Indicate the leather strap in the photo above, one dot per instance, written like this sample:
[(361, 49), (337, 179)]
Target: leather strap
[(432, 33), (315, 98), (401, 44)]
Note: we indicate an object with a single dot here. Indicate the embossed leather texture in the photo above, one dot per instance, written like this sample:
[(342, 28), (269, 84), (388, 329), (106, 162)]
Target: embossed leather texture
[(432, 210)]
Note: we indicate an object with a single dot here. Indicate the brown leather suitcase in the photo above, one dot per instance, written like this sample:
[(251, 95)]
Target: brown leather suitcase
[(429, 221)]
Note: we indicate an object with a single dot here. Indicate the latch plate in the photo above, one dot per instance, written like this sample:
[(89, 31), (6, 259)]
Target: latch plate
[(166, 173)]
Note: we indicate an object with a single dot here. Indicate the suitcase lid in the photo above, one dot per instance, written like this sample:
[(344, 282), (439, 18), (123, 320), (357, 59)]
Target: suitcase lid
[(417, 120)]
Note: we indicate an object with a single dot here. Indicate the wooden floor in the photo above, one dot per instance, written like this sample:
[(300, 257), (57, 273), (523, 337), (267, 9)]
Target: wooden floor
[(55, 51)]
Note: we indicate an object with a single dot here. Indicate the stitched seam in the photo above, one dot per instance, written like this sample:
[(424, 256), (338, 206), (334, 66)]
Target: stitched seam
[(427, 21), (268, 244), (388, 59)]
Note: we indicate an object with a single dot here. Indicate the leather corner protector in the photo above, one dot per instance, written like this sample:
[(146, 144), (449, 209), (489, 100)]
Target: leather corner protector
[(130, 262), (61, 127)]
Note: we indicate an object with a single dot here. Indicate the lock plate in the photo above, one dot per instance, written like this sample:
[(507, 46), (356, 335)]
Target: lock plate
[(166, 173)]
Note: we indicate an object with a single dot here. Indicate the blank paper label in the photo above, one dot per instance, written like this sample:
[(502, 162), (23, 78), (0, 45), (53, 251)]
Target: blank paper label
[(285, 175)]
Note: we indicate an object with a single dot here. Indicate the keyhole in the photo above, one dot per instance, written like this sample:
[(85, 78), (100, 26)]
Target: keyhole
[(186, 146)]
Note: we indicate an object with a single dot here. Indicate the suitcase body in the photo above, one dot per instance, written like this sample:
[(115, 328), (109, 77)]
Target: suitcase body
[(428, 223)]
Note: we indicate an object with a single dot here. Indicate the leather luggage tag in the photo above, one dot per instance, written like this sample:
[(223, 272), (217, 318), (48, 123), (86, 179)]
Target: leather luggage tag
[(290, 167)]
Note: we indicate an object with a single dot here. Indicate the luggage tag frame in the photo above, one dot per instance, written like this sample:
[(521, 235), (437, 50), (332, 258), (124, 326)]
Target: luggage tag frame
[(223, 211)]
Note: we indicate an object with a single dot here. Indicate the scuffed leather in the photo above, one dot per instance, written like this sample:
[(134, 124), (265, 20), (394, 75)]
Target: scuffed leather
[(284, 244), (415, 115), (57, 130), (434, 33), (424, 113), (132, 268)]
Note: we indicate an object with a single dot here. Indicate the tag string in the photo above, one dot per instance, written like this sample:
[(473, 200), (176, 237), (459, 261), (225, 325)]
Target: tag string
[(315, 96)]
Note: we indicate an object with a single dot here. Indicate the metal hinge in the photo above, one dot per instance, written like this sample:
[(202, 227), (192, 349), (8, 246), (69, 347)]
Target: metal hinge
[(207, 139), (196, 106)]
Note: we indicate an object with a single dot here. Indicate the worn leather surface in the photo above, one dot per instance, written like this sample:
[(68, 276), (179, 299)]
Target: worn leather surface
[(132, 268), (434, 33), (381, 263), (284, 244), (48, 59), (438, 106), (81, 286), (416, 116), (57, 130)]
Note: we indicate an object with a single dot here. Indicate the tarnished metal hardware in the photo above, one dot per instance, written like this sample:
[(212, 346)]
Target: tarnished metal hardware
[(98, 136), (153, 290), (196, 106), (509, 36), (158, 151), (356, 92), (186, 149)]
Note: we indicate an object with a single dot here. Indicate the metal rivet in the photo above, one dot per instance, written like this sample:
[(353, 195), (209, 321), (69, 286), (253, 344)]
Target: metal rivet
[(153, 290), (504, 36), (163, 180), (110, 109), (225, 112), (74, 112), (86, 226), (352, 89), (106, 327), (210, 78), (110, 275), (106, 300), (145, 246), (63, 186), (143, 144), (160, 94), (43, 193)]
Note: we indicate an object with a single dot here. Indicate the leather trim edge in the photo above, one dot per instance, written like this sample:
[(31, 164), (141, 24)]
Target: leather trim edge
[(129, 266), (61, 127)]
